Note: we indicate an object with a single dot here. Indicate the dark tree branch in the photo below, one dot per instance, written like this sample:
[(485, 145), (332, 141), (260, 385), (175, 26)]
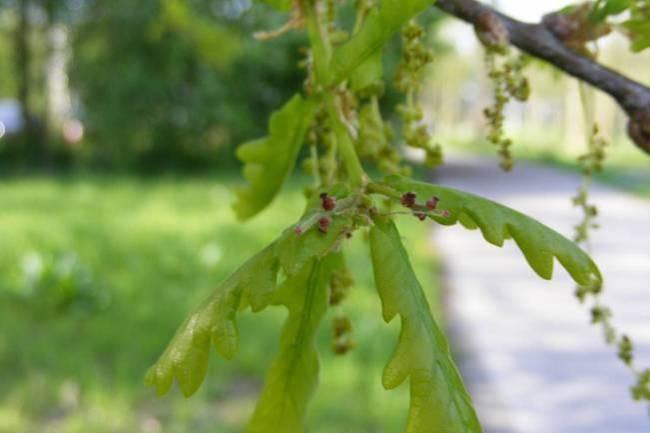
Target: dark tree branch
[(538, 41)]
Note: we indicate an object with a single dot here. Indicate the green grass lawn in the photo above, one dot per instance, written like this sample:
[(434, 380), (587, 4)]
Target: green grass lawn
[(96, 274)]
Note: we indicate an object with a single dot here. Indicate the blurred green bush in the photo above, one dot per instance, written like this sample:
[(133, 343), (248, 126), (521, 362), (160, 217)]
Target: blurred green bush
[(175, 84), (157, 84)]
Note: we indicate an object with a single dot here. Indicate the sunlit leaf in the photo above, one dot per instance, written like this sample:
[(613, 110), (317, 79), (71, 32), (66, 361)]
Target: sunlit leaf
[(214, 322), (269, 161), (439, 401), (293, 376), (539, 244), (379, 27), (368, 74)]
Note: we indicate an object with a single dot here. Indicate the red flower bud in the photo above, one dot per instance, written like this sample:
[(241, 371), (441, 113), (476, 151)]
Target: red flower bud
[(420, 215), (432, 203), (324, 224), (327, 202), (408, 199)]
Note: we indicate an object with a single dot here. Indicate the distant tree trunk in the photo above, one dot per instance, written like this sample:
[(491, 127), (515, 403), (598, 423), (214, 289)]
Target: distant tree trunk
[(31, 139), (49, 108), (22, 58)]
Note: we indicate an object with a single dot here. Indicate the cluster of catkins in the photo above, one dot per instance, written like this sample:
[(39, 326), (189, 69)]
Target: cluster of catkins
[(591, 163), (415, 58), (602, 316), (509, 83), (361, 110), (505, 70), (321, 163)]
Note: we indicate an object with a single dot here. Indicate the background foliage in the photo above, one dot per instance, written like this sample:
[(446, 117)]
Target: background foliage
[(159, 84), (163, 85)]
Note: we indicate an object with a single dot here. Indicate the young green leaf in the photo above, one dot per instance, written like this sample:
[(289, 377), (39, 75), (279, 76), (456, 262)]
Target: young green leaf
[(439, 401), (295, 251), (638, 32), (270, 160), (604, 9), (254, 285), (379, 27), (186, 357), (293, 376), (368, 74), (538, 243)]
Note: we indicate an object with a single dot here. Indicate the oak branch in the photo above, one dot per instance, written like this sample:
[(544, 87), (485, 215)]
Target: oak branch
[(539, 41)]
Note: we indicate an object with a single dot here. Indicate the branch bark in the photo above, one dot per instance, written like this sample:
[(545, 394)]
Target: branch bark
[(538, 41)]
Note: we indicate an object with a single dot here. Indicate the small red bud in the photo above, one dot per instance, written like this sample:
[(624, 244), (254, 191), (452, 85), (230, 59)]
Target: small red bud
[(446, 214), (408, 199), (420, 215), (324, 224), (298, 231), (327, 202), (432, 203)]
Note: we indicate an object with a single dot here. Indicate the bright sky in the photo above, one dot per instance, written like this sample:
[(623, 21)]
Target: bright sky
[(529, 10), (460, 35)]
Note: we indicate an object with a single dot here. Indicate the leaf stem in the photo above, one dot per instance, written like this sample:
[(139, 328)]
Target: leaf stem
[(345, 144), (319, 41), (322, 54)]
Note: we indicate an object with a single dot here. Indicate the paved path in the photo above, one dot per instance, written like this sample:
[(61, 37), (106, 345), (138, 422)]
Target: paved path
[(534, 364)]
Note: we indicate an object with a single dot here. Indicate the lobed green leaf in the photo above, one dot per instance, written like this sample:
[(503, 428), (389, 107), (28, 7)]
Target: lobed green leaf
[(293, 376), (269, 161), (439, 400), (255, 284), (539, 244), (379, 27), (214, 321)]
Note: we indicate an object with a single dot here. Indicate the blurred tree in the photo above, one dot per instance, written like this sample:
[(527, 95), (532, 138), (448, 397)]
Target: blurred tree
[(174, 83), (158, 84), (24, 29), (30, 137)]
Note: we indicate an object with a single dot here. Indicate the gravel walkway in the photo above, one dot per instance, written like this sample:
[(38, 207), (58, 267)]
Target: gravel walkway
[(533, 362)]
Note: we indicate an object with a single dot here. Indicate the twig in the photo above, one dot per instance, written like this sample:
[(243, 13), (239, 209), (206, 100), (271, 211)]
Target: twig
[(538, 41)]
